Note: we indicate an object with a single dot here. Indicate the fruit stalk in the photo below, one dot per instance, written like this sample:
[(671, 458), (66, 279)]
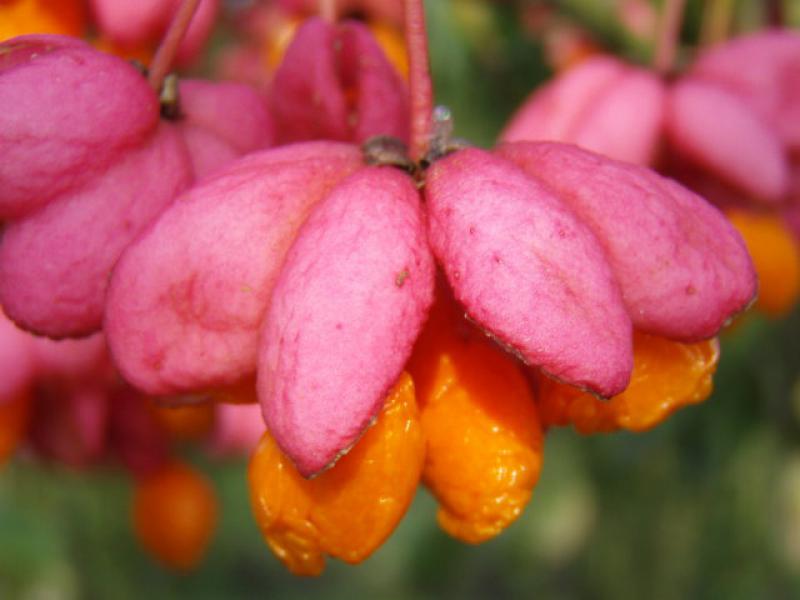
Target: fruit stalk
[(162, 61), (668, 34), (419, 78)]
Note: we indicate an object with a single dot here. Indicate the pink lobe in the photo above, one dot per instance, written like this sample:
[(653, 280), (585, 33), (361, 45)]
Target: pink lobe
[(65, 114), (763, 70), (186, 301), (222, 120), (382, 103), (682, 268), (335, 83), (603, 105), (55, 264), (717, 131), (528, 271), (132, 23), (349, 303)]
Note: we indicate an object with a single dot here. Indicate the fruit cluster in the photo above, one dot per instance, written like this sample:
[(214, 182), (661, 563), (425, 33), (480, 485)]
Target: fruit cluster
[(402, 307)]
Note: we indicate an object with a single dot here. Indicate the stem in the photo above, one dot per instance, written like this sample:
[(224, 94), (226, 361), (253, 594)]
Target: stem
[(668, 33), (716, 22), (419, 79), (162, 61), (327, 10)]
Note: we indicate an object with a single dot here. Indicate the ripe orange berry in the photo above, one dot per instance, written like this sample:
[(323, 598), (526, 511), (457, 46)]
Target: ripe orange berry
[(21, 17), (481, 425), (776, 257), (666, 376), (187, 421), (350, 509), (14, 416), (175, 514)]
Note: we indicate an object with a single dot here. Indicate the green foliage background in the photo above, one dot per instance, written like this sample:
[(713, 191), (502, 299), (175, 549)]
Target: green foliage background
[(705, 506)]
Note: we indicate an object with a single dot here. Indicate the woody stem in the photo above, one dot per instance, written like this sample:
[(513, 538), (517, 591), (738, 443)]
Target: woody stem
[(162, 61), (419, 78), (668, 34)]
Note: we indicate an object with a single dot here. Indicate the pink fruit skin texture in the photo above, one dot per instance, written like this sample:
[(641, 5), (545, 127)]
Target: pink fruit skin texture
[(527, 270), (335, 83), (763, 70), (723, 134), (349, 303), (602, 105), (682, 268), (66, 112), (136, 22), (55, 263), (186, 300), (221, 121)]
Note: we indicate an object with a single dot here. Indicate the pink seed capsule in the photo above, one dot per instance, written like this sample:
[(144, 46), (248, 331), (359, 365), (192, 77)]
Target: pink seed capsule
[(349, 303), (528, 271), (186, 301)]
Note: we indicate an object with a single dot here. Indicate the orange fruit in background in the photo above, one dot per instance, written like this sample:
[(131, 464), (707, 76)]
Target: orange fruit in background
[(22, 17), (175, 514), (481, 425), (776, 257), (14, 415), (187, 421), (667, 375), (350, 509)]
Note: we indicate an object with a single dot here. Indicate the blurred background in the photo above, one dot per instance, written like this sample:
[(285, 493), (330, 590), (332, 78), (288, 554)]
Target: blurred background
[(707, 505)]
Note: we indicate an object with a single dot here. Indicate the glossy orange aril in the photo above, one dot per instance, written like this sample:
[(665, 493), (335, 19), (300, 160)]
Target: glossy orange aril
[(175, 514), (481, 425), (667, 375), (350, 509), (776, 257)]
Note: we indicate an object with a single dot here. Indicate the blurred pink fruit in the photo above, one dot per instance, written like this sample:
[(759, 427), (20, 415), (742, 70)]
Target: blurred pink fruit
[(131, 23), (335, 83), (88, 165)]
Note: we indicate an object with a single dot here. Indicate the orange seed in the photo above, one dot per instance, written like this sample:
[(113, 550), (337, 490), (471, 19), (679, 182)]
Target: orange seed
[(175, 514), (481, 424), (350, 509), (667, 375), (776, 257)]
